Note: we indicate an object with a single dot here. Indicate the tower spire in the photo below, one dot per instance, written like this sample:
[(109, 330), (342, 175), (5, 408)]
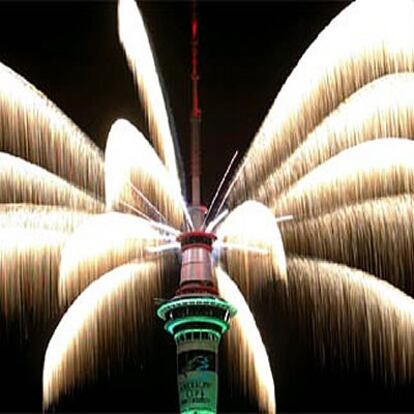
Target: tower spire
[(195, 118)]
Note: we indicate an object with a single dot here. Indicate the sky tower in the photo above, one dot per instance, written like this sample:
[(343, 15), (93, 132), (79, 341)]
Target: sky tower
[(196, 316)]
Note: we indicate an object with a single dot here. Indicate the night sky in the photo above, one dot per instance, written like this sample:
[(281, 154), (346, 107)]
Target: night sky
[(71, 52)]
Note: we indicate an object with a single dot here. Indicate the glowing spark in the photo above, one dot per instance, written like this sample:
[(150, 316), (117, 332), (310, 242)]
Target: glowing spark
[(347, 54), (383, 108), (28, 274), (135, 42), (150, 205), (164, 228), (98, 246), (33, 128), (135, 210), (216, 221), (373, 169), (129, 158), (235, 246), (95, 328), (248, 356), (30, 216), (22, 182), (164, 248), (281, 219), (354, 314), (160, 226), (354, 235), (232, 184), (252, 270), (223, 180)]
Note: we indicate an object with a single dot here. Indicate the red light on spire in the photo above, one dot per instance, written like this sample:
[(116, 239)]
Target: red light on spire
[(194, 28), (195, 118), (196, 111)]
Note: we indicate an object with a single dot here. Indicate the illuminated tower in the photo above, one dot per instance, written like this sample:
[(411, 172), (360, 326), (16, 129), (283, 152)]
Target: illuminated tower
[(196, 316)]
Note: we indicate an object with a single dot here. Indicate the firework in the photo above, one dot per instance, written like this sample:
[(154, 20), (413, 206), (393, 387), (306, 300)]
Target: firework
[(135, 176), (373, 169), (33, 128), (95, 326), (353, 235), (29, 274), (30, 216), (134, 39), (250, 363), (249, 266), (347, 54), (383, 108), (363, 320), (101, 244), (23, 182)]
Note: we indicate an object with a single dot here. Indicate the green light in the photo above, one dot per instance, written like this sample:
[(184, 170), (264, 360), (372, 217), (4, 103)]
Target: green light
[(185, 331), (194, 301), (197, 324), (197, 391), (170, 325)]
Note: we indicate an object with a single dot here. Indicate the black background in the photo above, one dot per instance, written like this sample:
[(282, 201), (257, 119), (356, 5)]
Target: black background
[(71, 52)]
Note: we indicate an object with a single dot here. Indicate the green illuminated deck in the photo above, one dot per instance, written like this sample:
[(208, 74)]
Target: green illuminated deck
[(196, 314), (194, 301), (197, 324)]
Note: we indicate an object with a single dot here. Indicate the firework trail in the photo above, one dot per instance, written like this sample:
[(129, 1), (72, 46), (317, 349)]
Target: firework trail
[(30, 216), (247, 265), (347, 54), (90, 338), (133, 170), (101, 244), (353, 235), (29, 274), (249, 361), (354, 315), (373, 169), (33, 128), (134, 39), (23, 182), (383, 108)]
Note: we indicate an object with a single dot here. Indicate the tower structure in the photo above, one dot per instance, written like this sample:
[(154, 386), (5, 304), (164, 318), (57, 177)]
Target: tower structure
[(196, 316)]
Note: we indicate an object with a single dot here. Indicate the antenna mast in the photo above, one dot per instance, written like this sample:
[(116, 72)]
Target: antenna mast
[(195, 113)]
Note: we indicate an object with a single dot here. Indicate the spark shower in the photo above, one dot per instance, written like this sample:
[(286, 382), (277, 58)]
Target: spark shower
[(335, 151)]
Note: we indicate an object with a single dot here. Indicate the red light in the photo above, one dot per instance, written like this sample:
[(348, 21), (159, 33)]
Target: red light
[(194, 28)]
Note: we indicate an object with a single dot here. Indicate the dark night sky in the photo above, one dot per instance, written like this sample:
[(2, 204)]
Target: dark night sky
[(70, 51)]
